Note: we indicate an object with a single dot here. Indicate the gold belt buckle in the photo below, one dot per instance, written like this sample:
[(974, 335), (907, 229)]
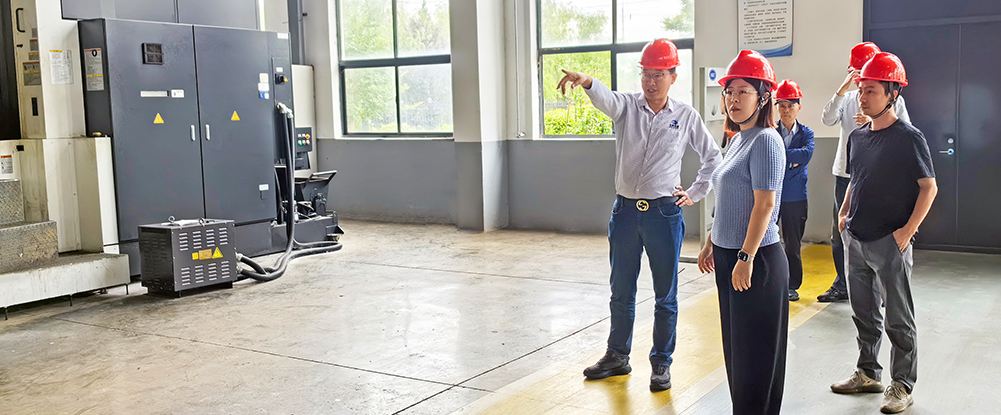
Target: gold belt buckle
[(642, 205)]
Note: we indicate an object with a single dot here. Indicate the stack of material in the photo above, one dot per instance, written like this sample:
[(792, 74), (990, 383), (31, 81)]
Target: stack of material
[(23, 244), (30, 266)]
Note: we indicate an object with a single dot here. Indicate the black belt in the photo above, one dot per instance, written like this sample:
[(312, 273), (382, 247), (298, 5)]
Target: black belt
[(645, 204)]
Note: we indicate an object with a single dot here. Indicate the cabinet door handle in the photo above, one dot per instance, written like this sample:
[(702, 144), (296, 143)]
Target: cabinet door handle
[(193, 133), (208, 132), (17, 17)]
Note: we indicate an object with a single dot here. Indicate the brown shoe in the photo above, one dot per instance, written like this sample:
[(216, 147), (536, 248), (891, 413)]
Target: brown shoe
[(896, 399), (858, 383)]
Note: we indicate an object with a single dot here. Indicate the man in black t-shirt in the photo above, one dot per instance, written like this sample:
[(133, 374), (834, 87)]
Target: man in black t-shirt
[(891, 190)]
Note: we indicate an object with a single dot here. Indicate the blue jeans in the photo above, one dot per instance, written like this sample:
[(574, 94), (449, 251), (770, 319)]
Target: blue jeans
[(660, 230)]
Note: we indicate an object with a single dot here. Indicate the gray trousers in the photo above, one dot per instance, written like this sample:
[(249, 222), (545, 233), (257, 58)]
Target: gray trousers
[(878, 273)]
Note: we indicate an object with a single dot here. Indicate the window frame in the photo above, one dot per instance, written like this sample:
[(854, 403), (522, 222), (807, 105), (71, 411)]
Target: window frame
[(614, 48), (396, 62)]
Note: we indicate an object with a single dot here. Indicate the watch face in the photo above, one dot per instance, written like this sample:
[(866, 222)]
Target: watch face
[(741, 255)]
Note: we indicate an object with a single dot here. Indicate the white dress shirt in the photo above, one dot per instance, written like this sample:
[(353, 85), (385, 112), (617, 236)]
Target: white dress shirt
[(649, 146)]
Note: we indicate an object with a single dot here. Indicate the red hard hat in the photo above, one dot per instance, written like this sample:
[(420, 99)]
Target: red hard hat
[(788, 90), (660, 54), (884, 66), (861, 54), (750, 64)]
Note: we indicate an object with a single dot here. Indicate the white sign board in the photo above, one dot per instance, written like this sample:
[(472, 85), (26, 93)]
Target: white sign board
[(765, 26)]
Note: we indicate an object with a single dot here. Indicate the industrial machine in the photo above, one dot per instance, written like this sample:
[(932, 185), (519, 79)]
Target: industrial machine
[(199, 120), (108, 125)]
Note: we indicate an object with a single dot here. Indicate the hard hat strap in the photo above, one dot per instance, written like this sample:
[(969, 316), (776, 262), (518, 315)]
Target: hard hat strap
[(893, 101), (761, 103)]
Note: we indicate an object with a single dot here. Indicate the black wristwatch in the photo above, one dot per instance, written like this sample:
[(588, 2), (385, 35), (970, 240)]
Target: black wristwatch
[(744, 256)]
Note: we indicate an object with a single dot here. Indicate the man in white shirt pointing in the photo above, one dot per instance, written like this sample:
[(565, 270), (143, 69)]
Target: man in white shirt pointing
[(652, 132)]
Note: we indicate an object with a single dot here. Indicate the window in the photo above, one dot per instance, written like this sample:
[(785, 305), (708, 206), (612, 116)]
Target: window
[(604, 38), (395, 69)]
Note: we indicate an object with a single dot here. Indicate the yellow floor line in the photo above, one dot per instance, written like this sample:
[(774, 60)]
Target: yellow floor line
[(697, 369)]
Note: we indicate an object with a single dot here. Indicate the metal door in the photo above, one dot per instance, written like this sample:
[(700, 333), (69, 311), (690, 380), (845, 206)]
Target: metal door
[(237, 122), (979, 149), (930, 56), (154, 117)]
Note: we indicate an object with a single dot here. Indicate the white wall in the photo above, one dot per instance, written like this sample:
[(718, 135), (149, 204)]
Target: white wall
[(823, 34), (320, 43), (274, 15)]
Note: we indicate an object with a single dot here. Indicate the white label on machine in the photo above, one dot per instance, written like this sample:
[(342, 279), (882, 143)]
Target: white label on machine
[(263, 78), (177, 93), (263, 187), (283, 35), (93, 62), (32, 73), (6, 164), (279, 69), (263, 87), (61, 67), (153, 94)]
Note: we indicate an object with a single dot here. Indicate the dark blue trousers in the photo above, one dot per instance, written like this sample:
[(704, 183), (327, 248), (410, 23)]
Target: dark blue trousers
[(660, 231)]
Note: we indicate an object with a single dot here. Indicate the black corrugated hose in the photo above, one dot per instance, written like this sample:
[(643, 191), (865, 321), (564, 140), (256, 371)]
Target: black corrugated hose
[(293, 249)]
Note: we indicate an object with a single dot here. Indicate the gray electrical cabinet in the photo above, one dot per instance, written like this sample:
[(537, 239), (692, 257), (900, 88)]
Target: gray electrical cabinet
[(191, 115), (155, 146)]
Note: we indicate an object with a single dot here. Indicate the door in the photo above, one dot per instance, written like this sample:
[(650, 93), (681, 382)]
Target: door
[(979, 149), (237, 122), (28, 68), (930, 56), (156, 150)]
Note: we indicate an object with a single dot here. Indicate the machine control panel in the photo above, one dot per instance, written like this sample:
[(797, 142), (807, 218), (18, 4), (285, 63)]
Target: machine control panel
[(303, 140)]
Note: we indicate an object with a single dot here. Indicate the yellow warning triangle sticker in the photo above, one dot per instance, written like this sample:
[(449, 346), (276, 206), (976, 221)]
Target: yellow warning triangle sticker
[(158, 119), (218, 254), (235, 117)]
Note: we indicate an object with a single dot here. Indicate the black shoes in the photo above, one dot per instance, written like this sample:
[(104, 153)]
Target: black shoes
[(660, 379), (613, 364), (832, 295), (793, 295)]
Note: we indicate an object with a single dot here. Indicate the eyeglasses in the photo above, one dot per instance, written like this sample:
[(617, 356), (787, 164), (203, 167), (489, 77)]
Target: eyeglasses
[(738, 93), (652, 76)]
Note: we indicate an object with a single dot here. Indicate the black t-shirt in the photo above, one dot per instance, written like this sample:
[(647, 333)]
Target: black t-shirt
[(885, 166)]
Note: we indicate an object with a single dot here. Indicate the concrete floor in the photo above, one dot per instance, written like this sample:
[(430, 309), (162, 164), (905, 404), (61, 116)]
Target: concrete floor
[(425, 319)]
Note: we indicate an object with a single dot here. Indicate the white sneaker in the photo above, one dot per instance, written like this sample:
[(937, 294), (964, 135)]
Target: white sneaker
[(896, 399), (858, 383)]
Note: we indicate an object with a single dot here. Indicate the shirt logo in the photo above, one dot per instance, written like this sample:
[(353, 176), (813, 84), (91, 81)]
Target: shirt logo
[(674, 124)]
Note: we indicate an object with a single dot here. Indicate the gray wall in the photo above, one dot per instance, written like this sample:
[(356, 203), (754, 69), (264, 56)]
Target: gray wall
[(561, 185), (394, 180), (225, 13), (820, 190)]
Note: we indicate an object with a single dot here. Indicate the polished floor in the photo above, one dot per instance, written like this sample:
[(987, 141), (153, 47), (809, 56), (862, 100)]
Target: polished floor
[(425, 319)]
